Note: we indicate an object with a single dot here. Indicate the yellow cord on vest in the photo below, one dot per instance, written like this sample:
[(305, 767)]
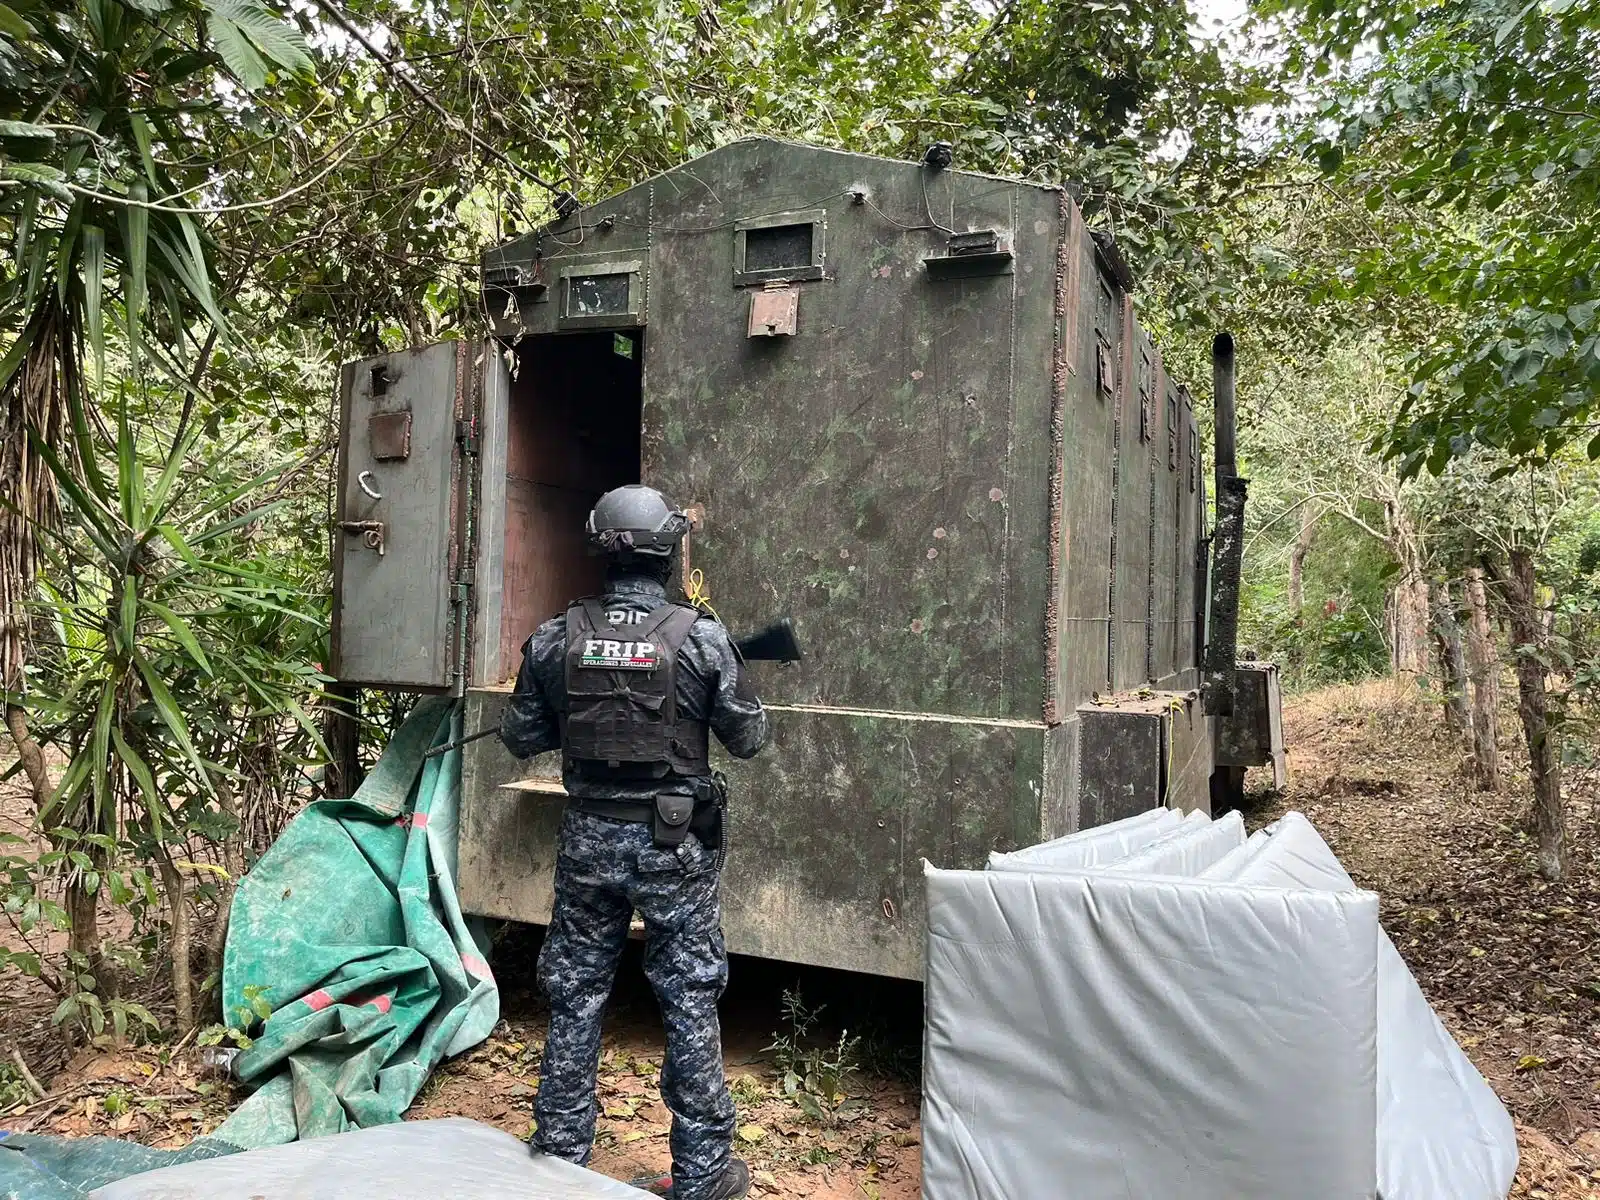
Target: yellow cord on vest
[(698, 595)]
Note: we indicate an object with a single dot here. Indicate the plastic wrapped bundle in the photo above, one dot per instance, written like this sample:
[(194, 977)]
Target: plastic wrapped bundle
[(1441, 1129), (1188, 851)]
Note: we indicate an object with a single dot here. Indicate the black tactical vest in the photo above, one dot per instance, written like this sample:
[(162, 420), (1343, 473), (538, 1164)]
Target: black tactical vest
[(622, 696)]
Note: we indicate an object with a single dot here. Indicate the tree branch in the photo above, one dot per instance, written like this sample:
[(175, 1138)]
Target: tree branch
[(338, 17)]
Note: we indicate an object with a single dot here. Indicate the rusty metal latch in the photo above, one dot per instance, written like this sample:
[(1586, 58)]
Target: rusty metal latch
[(371, 531)]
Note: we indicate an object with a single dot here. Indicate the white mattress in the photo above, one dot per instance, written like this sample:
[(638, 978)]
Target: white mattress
[(1107, 1037), (1165, 1009), (1091, 847)]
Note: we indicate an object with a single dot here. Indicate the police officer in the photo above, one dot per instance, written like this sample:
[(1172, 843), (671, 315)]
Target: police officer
[(627, 685)]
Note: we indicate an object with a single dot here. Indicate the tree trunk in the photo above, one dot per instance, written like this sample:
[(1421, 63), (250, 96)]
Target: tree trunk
[(1408, 625), (342, 731), (233, 861), (29, 751), (1483, 667), (172, 883), (1297, 559), (83, 910), (1452, 661), (1544, 759)]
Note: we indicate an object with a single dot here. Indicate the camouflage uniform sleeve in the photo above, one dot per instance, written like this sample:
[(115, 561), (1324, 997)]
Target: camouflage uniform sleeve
[(532, 724), (737, 717)]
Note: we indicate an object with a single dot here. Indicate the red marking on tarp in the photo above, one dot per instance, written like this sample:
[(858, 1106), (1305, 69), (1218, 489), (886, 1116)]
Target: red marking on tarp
[(403, 820), (318, 1000), (383, 1003), (476, 966), (419, 820)]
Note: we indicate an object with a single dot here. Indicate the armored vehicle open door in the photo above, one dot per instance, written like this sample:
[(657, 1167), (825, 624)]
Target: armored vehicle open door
[(465, 472), (401, 562)]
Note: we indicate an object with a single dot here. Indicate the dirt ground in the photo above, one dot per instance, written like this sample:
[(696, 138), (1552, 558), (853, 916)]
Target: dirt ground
[(871, 1149), (1509, 962)]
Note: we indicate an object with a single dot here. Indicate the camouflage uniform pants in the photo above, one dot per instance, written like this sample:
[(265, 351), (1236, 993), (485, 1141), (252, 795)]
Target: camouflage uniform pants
[(604, 871)]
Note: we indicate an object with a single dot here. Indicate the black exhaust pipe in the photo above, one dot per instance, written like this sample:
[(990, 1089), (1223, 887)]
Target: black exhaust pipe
[(1227, 543)]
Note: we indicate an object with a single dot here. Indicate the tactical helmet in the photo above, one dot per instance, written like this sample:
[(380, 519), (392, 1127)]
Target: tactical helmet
[(635, 519)]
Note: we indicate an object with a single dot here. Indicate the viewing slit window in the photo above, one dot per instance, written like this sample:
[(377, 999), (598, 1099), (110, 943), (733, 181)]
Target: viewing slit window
[(1146, 401), (1108, 335), (1106, 323), (779, 248), (1172, 431), (1194, 456), (597, 296), (784, 246), (603, 293)]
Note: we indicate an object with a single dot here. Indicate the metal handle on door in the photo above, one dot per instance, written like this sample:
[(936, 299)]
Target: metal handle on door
[(369, 488)]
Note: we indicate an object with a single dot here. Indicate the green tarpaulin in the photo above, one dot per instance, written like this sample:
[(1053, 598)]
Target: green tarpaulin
[(40, 1167), (350, 930)]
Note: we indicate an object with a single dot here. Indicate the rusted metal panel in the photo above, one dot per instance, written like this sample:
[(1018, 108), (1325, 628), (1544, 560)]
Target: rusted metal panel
[(1091, 321), (1119, 762), (883, 475), (487, 552), (398, 521), (1165, 518), (829, 827), (1252, 736), (1131, 553), (775, 311), (389, 435), (1140, 751), (1185, 674), (1280, 758), (1066, 306), (1062, 782), (1189, 765), (831, 822), (508, 835)]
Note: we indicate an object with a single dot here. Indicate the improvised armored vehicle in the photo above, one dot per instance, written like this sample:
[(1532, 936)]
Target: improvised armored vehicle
[(908, 406)]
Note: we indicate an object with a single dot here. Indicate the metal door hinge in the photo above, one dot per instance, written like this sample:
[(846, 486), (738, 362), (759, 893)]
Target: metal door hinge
[(467, 437)]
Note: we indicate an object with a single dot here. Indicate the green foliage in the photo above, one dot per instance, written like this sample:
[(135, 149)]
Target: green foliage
[(14, 1089), (1337, 635), (84, 1008), (215, 1035), (158, 623), (27, 906), (100, 97), (1472, 138), (813, 1075)]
